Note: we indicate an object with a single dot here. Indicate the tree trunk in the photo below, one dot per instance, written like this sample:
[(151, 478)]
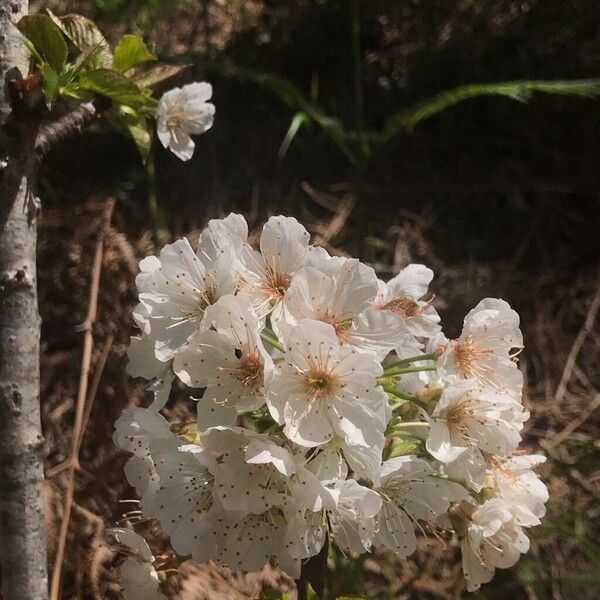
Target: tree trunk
[(22, 526)]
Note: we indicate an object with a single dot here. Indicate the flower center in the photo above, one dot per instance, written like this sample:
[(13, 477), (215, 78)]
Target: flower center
[(467, 354), (405, 307), (459, 413), (341, 326), (173, 122), (250, 371), (276, 283), (320, 383)]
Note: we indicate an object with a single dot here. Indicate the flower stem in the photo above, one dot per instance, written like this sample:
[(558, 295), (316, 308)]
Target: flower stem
[(268, 335), (402, 396), (411, 359), (411, 424), (396, 371)]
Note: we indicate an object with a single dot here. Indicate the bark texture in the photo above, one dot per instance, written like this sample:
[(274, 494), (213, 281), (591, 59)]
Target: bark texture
[(22, 528)]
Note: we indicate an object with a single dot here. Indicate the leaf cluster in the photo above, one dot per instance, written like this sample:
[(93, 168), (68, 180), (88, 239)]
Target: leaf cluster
[(76, 61)]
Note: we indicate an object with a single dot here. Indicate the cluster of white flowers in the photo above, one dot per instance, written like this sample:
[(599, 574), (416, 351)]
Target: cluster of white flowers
[(331, 408)]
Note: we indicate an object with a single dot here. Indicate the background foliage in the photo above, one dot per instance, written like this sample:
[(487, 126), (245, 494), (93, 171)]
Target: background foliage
[(499, 197)]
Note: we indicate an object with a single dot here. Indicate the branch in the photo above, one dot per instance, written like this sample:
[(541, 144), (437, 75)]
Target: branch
[(70, 124), (82, 396)]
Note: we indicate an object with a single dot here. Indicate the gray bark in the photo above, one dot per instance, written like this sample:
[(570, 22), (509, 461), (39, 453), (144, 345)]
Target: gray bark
[(22, 526)]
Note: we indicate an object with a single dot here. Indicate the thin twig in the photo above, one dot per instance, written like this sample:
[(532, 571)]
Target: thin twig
[(88, 344), (94, 388), (577, 344)]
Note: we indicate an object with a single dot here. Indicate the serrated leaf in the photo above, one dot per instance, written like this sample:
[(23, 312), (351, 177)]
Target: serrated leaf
[(84, 33), (131, 123), (148, 76), (131, 51), (46, 38), (116, 86)]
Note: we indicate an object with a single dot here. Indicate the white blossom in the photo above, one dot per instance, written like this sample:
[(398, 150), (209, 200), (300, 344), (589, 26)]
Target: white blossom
[(486, 347), (181, 113), (468, 415), (229, 360), (285, 347), (142, 362), (348, 516), (514, 480), (137, 576), (182, 500), (324, 389), (266, 275), (174, 291), (135, 430), (343, 299), (402, 295), (253, 474), (410, 492), (494, 539)]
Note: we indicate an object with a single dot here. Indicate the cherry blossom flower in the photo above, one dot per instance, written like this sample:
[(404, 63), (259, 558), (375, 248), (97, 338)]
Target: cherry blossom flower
[(514, 480), (324, 389), (182, 499), (181, 113), (347, 516), (266, 275), (135, 430), (403, 295), (229, 360), (142, 362), (254, 474), (486, 347), (343, 299), (469, 415), (175, 290), (410, 492), (494, 539), (137, 576)]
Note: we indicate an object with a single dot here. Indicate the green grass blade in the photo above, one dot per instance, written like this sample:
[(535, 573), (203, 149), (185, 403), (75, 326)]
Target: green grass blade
[(521, 91)]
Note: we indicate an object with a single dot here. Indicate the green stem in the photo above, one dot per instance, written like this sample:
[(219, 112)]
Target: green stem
[(412, 424), (269, 336), (405, 371), (407, 398), (411, 359)]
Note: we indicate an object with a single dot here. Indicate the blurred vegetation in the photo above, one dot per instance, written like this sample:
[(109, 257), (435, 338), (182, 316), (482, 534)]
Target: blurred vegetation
[(338, 112)]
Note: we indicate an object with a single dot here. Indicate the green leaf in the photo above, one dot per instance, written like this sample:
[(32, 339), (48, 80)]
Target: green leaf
[(131, 123), (148, 76), (297, 122), (116, 86), (51, 83), (131, 51), (521, 91), (46, 38), (84, 33)]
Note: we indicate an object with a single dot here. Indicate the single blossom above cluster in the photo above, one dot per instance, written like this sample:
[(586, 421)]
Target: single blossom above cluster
[(181, 113), (309, 377)]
